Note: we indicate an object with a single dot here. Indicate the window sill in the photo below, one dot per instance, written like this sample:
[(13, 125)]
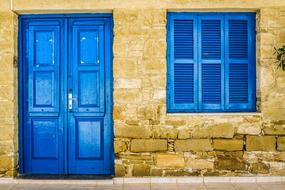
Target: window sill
[(216, 114)]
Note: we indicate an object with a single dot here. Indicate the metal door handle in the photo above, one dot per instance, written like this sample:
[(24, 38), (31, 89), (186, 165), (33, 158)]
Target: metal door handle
[(70, 100)]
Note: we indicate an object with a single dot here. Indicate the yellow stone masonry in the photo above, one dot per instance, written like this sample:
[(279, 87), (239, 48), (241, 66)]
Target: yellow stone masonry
[(8, 91), (149, 141)]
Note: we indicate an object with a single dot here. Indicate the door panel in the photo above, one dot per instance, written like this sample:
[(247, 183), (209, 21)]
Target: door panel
[(44, 121), (67, 57), (88, 89), (43, 67), (88, 47), (87, 143), (45, 137), (89, 137), (88, 74)]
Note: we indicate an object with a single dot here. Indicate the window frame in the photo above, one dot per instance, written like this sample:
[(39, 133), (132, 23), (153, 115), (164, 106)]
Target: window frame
[(225, 105)]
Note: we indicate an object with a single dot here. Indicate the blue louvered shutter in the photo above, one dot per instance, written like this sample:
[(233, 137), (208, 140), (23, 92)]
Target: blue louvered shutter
[(182, 66), (211, 64), (240, 63)]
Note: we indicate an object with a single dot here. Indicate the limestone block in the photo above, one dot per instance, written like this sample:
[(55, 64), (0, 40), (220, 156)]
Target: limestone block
[(147, 95), (155, 48), (227, 145), (280, 157), (124, 112), (124, 29), (153, 66), (120, 146), (178, 172), (260, 143), (125, 67), (267, 38), (6, 163), (132, 122), (158, 32), (127, 96), (141, 170), (281, 37), (280, 80), (259, 168), (6, 147), (132, 131), (184, 133), (146, 112), (120, 170), (158, 81), (229, 163), (167, 132), (127, 83), (224, 130), (137, 157), (153, 17), (159, 95), (148, 145), (249, 129), (175, 122), (277, 172), (199, 164), (275, 130), (6, 132), (273, 113), (5, 5), (156, 172), (193, 145), (6, 92), (281, 144), (170, 161)]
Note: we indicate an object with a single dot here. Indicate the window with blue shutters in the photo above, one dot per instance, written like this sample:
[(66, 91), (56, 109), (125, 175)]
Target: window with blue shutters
[(211, 62)]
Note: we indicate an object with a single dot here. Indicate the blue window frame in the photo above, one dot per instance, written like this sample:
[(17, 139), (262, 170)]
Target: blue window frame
[(211, 62)]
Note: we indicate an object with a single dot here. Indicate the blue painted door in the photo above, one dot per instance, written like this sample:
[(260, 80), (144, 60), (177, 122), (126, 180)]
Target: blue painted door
[(67, 124), (88, 119)]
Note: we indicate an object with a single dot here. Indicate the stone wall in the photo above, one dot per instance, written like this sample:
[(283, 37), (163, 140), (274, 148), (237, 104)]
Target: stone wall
[(8, 91), (149, 141)]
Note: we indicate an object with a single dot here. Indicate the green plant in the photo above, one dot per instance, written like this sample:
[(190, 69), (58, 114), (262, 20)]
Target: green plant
[(280, 57)]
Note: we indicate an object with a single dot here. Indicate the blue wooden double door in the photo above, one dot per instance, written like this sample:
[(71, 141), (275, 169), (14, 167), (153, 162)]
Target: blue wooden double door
[(67, 97)]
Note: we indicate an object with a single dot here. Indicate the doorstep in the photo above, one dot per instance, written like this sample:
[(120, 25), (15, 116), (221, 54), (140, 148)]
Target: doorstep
[(152, 180)]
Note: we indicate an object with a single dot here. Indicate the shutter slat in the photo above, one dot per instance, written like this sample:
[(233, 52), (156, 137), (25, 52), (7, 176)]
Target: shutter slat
[(240, 79), (238, 72), (238, 39), (182, 68), (183, 83), (183, 72), (210, 72), (183, 39), (238, 83), (211, 39), (211, 83)]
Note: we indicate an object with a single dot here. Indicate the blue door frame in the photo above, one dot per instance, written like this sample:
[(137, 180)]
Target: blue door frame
[(76, 167)]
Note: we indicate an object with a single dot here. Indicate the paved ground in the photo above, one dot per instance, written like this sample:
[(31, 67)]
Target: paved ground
[(207, 186)]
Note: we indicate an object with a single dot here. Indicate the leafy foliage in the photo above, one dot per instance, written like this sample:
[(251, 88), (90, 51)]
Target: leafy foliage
[(280, 57)]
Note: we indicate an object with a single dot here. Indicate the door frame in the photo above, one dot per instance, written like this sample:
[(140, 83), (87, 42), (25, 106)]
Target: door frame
[(109, 67)]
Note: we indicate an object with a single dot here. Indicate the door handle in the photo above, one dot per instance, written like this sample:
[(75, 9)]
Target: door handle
[(70, 100)]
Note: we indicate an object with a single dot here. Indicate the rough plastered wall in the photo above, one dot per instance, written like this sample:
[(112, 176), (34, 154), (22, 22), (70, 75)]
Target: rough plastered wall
[(148, 141), (8, 91)]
